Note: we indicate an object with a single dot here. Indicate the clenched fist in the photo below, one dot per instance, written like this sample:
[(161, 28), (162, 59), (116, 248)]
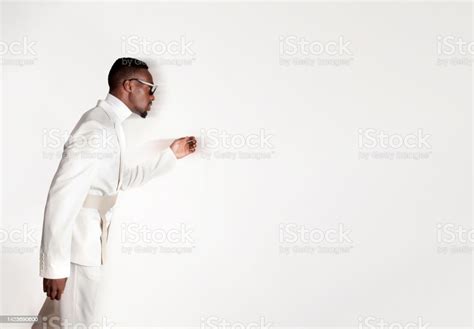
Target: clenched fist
[(54, 288), (183, 146)]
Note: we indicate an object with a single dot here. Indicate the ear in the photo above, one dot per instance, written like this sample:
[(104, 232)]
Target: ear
[(127, 85)]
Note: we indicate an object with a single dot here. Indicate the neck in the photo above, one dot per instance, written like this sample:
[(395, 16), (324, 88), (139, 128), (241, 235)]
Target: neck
[(123, 99)]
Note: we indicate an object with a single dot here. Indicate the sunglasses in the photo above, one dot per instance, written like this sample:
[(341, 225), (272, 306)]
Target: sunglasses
[(151, 85)]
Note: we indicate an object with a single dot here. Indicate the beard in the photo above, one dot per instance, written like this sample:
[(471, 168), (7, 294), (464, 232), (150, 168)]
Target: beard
[(143, 114)]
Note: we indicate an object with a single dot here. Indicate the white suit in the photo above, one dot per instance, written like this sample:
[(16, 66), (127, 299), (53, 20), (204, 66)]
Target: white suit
[(91, 165)]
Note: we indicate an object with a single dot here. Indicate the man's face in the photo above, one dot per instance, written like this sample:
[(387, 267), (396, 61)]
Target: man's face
[(140, 97)]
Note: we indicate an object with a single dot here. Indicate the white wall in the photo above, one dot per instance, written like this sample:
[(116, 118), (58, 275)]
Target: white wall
[(238, 76)]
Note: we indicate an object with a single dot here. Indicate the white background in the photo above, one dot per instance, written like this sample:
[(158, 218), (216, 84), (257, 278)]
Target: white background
[(236, 83)]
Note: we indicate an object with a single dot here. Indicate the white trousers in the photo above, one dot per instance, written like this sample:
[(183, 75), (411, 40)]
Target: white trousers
[(79, 304)]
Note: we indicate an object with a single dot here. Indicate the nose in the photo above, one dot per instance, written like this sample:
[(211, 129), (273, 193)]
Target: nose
[(152, 97)]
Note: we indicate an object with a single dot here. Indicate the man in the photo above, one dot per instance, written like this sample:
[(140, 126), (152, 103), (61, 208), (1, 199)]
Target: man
[(84, 191)]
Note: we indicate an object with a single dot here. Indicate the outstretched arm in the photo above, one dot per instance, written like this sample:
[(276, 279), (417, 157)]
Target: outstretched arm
[(134, 176)]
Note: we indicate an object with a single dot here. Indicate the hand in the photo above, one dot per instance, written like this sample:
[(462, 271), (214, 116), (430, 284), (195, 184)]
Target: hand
[(183, 146), (54, 288)]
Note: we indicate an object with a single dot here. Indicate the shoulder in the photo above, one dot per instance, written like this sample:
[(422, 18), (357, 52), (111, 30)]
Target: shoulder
[(93, 120), (93, 126), (97, 116)]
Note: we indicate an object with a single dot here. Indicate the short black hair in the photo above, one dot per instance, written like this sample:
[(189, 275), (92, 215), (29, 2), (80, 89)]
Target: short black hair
[(124, 68)]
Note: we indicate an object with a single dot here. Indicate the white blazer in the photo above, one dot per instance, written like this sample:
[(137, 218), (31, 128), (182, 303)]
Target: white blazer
[(91, 164)]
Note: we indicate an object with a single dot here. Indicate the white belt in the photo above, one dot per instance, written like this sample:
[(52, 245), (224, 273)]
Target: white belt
[(103, 203)]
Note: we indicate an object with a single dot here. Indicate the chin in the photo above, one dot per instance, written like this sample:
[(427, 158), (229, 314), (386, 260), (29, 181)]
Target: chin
[(144, 114)]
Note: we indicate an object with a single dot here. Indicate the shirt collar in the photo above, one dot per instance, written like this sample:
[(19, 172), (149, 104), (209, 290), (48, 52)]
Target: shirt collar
[(120, 110)]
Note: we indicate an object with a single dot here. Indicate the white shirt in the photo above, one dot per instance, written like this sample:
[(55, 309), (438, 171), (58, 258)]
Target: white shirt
[(91, 164), (120, 110)]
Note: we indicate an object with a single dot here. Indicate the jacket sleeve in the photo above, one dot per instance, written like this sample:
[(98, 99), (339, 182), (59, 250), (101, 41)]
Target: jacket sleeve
[(67, 193), (134, 176)]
